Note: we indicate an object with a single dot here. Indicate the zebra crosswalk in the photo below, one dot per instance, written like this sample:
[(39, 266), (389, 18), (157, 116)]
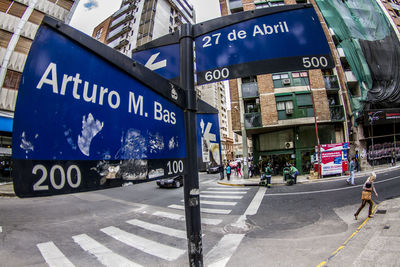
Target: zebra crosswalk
[(161, 241)]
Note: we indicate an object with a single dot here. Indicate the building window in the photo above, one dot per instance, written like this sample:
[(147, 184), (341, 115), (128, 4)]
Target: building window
[(12, 79), (281, 80), (286, 106), (295, 105), (98, 34)]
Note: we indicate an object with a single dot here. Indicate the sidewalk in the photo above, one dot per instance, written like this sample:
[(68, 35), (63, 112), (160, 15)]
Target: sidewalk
[(7, 190), (301, 179), (376, 242)]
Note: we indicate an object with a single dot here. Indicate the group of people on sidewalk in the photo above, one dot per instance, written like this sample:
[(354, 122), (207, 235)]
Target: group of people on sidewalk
[(267, 172), (229, 169)]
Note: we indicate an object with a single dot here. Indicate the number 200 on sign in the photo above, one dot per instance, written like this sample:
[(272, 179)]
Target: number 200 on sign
[(57, 181)]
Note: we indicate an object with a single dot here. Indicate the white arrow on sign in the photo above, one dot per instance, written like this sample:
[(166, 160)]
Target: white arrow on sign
[(155, 66)]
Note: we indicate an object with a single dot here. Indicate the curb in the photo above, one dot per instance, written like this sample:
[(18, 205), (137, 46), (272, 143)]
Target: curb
[(321, 180)]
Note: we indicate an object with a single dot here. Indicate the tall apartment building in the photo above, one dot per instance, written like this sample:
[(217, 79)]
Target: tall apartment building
[(140, 21), (214, 95), (278, 108), (19, 21)]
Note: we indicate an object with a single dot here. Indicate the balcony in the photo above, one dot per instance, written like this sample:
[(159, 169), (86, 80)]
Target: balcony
[(337, 113), (252, 120), (122, 19), (118, 32), (331, 82), (341, 52), (121, 11), (235, 4), (350, 77), (121, 44), (249, 90)]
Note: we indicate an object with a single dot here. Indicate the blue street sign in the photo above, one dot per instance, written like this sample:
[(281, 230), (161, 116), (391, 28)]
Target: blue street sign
[(283, 41), (163, 60), (86, 120), (208, 140)]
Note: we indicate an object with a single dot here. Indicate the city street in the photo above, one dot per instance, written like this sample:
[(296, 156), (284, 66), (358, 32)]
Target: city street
[(144, 225)]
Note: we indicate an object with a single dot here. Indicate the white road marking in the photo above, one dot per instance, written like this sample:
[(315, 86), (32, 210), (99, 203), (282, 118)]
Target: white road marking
[(208, 182), (148, 246), (221, 197), (223, 251), (217, 203), (102, 253), (178, 217), (53, 256), (229, 188), (329, 190), (204, 210), (1, 229), (223, 192), (158, 228)]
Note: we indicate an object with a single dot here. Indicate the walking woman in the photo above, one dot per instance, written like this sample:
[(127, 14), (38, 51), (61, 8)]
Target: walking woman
[(366, 195)]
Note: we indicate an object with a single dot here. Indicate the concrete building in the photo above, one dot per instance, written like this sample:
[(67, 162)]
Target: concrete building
[(140, 21), (284, 112), (19, 21)]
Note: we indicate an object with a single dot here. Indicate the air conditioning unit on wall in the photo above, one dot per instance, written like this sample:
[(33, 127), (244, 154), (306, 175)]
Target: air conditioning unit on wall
[(286, 81), (289, 145)]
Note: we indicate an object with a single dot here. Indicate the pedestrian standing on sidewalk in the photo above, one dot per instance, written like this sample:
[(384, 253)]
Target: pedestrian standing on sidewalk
[(294, 172), (350, 180), (221, 172), (366, 195), (239, 169), (357, 162), (228, 171), (268, 173)]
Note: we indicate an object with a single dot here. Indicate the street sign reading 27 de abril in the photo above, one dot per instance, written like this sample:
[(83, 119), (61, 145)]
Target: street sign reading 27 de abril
[(284, 41), (284, 38)]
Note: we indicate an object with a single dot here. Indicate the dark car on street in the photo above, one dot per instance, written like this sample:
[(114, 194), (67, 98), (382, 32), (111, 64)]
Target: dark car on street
[(214, 169), (176, 181)]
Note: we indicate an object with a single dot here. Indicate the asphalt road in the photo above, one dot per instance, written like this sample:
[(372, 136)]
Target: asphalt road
[(142, 224)]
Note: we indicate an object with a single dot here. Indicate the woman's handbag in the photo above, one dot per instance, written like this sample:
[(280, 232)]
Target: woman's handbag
[(366, 195)]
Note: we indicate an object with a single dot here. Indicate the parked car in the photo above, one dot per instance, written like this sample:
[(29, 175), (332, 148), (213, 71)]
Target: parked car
[(214, 169), (176, 181)]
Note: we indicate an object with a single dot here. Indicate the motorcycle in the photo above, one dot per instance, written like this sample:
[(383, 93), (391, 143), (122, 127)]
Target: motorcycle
[(287, 177)]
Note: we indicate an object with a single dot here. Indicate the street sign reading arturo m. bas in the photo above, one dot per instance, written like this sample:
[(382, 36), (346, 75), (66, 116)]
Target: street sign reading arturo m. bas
[(88, 118), (284, 38)]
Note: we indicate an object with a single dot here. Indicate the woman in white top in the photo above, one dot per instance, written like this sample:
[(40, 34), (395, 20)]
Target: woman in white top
[(366, 195)]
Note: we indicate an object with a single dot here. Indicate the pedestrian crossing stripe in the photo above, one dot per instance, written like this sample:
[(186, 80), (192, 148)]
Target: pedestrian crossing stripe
[(204, 210), (178, 217), (228, 188), (53, 256), (221, 197), (106, 256), (158, 228), (216, 203), (224, 192), (148, 246)]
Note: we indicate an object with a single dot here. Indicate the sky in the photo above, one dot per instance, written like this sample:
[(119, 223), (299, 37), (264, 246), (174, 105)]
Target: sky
[(91, 13)]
